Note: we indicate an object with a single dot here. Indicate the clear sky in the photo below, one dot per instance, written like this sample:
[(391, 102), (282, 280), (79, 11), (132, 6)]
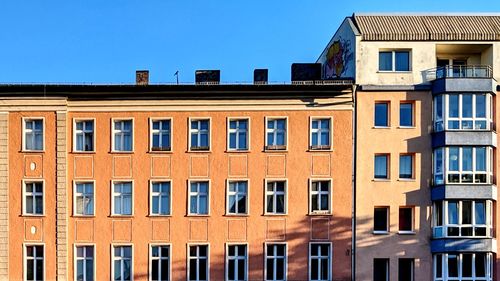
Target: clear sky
[(105, 41)]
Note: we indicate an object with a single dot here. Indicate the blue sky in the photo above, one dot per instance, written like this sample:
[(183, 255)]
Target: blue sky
[(99, 41)]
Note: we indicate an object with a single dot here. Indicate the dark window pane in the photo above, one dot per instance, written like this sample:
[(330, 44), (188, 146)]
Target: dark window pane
[(154, 269), (385, 61), (381, 114), (405, 219), (381, 167), (402, 60), (380, 269), (380, 219), (406, 114), (452, 266), (405, 166), (480, 265), (405, 270), (467, 265)]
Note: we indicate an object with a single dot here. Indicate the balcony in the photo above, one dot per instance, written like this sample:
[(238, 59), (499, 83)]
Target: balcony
[(461, 78)]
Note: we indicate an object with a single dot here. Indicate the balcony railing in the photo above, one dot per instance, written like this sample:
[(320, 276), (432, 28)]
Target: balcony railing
[(459, 71)]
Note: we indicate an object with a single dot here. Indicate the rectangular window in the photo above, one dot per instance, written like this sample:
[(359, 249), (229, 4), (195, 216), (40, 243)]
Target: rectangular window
[(237, 200), (406, 166), (320, 197), (406, 268), (84, 263), (238, 134), (33, 198), (462, 112), (122, 135), (463, 218), (276, 134), (320, 133), (198, 198), (236, 260), (380, 269), (398, 60), (275, 262), (200, 134), (276, 197), (84, 199), (406, 220), (160, 198), (161, 135), (406, 114), (160, 263), (467, 164), (381, 114), (381, 220), (122, 263), (84, 135), (33, 134), (381, 166), (198, 263), (122, 198), (468, 266), (319, 261), (34, 263)]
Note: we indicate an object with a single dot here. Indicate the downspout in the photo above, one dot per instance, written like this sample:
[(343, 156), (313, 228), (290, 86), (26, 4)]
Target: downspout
[(353, 193)]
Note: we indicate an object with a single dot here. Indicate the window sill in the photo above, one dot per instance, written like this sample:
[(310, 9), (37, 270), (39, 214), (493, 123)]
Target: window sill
[(381, 127), (197, 216), (33, 215), (328, 213), (199, 151), (83, 216), (407, 127), (408, 180), (380, 232), (122, 216), (320, 150), (236, 215), (275, 215), (33, 151), (121, 152), (406, 232), (274, 150), (159, 216), (83, 152), (237, 151), (160, 151), (395, 71), (381, 180)]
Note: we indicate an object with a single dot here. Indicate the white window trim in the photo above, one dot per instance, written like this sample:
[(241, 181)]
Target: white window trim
[(190, 119), (412, 231), (113, 201), (446, 111), (25, 266), (446, 164), (75, 257), (268, 180), (311, 119), (132, 262), (388, 220), (151, 182), (113, 131), (75, 150), (75, 182), (150, 259), (24, 119), (24, 182), (228, 181), (153, 119), (413, 110), (393, 68), (272, 118), (444, 273), (227, 258), (265, 258), (208, 257), (329, 212), (473, 225), (248, 132), (208, 197), (309, 258)]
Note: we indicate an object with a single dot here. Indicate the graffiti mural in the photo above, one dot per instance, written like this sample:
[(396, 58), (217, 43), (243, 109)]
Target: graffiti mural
[(338, 59)]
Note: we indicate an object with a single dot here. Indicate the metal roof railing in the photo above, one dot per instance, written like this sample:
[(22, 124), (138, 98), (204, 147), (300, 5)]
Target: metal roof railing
[(459, 71)]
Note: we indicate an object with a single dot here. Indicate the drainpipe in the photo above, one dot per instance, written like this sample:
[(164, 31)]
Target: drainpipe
[(353, 193)]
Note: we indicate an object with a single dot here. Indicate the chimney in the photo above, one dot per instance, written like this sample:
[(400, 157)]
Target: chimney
[(260, 76), (207, 77), (306, 72), (142, 77)]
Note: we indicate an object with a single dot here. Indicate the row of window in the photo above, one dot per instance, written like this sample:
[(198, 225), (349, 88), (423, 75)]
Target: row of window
[(382, 166), (199, 139), (198, 262), (160, 203), (462, 112), (406, 224), (382, 114)]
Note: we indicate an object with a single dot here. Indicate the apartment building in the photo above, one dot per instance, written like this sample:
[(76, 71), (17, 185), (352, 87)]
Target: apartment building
[(426, 115), (176, 182)]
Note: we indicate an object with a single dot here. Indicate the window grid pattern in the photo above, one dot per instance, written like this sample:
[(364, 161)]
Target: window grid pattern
[(462, 112), (84, 135), (319, 262), (84, 197), (33, 198), (236, 262), (276, 133), (122, 263), (200, 134), (122, 198), (34, 263), (238, 134), (85, 263), (462, 165), (275, 262), (160, 134), (320, 196), (198, 198), (160, 263), (320, 134), (33, 134), (122, 132), (463, 267), (276, 197), (198, 263), (160, 198), (466, 218), (237, 197)]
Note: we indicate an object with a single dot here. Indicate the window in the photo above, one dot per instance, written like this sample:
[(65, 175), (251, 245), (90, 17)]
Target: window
[(200, 134), (160, 263), (237, 194), (160, 198), (122, 263), (380, 269), (161, 135), (33, 198), (462, 112), (463, 266), (84, 135), (406, 166), (320, 197), (381, 220), (319, 261), (84, 199), (467, 164), (198, 198), (466, 218), (275, 266), (84, 263), (34, 263), (198, 263), (381, 114), (405, 269), (406, 114), (238, 134), (398, 60), (276, 197), (236, 260), (276, 133), (122, 135), (122, 198), (321, 133), (406, 220), (33, 134), (381, 166)]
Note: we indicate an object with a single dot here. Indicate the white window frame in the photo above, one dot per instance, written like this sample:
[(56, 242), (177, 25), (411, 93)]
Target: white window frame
[(444, 273), (310, 257), (387, 222), (275, 257), (114, 132), (446, 112), (441, 231), (237, 131), (160, 131), (113, 182), (321, 147), (274, 193), (113, 246), (76, 194), (188, 245), (393, 68), (151, 245), (25, 193), (446, 164), (75, 258), (236, 258), (189, 194), (274, 147), (412, 231), (24, 140), (151, 194), (237, 193), (330, 193), (25, 259), (76, 132), (192, 119)]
